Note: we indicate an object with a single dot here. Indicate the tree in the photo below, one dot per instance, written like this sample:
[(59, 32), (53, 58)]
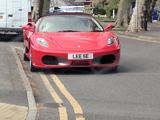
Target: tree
[(113, 4), (135, 23), (158, 3), (123, 13), (44, 7), (139, 17), (95, 2), (112, 7), (40, 8), (35, 12)]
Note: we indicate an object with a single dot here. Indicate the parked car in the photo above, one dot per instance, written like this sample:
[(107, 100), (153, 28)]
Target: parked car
[(66, 40)]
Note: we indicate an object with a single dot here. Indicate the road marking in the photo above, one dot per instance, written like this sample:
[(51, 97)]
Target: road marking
[(139, 39), (61, 109), (76, 106), (12, 112)]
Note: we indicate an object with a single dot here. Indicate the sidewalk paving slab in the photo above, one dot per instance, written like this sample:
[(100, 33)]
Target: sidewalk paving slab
[(13, 99), (16, 97)]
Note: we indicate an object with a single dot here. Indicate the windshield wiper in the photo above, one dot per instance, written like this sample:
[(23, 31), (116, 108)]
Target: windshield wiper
[(68, 31)]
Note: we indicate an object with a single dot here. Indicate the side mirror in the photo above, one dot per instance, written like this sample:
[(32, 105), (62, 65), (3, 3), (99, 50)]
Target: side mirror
[(29, 27), (109, 27)]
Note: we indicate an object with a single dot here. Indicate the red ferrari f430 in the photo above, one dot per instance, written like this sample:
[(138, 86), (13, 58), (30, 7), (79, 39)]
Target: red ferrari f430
[(66, 40)]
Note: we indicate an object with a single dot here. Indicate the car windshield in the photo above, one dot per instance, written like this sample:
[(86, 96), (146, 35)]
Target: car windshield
[(68, 23)]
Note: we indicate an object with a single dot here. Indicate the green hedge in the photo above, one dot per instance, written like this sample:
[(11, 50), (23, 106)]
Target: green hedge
[(99, 11)]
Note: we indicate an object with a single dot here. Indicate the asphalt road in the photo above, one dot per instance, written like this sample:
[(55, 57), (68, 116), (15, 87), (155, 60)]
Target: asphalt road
[(82, 94)]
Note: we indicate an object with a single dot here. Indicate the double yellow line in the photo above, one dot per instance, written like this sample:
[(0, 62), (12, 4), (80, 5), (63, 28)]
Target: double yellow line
[(62, 109)]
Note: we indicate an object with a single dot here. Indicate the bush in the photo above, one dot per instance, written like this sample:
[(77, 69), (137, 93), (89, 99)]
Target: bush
[(97, 11)]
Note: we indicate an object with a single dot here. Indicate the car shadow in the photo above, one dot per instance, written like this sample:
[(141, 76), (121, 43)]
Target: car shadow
[(129, 67), (78, 71)]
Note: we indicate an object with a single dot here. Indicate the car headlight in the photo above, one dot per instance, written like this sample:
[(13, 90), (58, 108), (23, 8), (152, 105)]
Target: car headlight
[(42, 42), (110, 41)]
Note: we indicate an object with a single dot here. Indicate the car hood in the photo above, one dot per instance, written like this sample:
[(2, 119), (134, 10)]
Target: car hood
[(76, 40)]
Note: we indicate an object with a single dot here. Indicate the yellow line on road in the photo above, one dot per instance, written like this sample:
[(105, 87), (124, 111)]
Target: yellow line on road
[(61, 109), (76, 106)]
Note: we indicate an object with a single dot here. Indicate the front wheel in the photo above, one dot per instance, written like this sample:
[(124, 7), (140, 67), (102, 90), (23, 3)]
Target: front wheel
[(32, 68), (25, 58)]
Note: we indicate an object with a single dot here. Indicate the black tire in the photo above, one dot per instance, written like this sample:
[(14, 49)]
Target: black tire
[(32, 68), (25, 58)]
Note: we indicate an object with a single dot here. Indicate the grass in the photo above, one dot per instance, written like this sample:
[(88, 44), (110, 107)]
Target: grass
[(104, 19)]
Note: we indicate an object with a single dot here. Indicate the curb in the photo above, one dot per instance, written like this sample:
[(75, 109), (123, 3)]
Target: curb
[(32, 109), (138, 36)]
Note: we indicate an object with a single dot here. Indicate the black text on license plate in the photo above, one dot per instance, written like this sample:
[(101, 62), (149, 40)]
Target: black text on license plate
[(80, 56)]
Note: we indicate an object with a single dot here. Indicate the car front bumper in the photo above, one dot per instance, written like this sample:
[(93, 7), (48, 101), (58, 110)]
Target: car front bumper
[(59, 59)]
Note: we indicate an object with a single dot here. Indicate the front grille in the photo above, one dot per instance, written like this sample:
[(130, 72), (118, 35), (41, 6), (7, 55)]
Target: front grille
[(50, 60)]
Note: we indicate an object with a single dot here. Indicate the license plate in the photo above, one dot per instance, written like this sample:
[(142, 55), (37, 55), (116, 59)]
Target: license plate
[(80, 56)]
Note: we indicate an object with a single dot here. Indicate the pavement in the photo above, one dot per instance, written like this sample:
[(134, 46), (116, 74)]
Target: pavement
[(13, 99), (153, 33), (16, 97)]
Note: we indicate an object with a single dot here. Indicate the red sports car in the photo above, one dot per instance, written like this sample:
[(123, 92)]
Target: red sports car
[(63, 40)]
